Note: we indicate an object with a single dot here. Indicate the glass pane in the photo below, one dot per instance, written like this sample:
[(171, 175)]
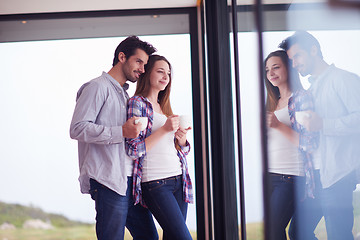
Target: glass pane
[(250, 111), (39, 165), (320, 115), (248, 87)]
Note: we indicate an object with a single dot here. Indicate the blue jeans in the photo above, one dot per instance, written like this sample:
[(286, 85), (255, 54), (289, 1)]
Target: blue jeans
[(338, 209), (164, 198), (308, 214), (334, 203), (282, 202), (114, 212)]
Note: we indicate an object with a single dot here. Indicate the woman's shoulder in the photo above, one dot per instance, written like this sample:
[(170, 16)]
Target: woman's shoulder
[(139, 102), (302, 99), (137, 99)]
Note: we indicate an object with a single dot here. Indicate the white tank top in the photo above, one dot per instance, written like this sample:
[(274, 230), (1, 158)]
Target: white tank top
[(284, 157), (129, 164), (161, 161)]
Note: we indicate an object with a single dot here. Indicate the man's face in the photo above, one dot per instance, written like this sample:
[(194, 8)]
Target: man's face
[(134, 65), (302, 60)]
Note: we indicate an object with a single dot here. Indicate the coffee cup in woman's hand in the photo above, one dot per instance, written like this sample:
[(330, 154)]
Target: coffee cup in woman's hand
[(143, 121), (185, 121), (302, 116)]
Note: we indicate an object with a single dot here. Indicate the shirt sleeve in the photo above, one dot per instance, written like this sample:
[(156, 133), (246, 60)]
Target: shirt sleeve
[(308, 140), (185, 149), (346, 114), (90, 99), (135, 147)]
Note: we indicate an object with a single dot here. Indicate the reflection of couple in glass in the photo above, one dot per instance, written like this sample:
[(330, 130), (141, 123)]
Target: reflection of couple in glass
[(160, 178), (314, 181)]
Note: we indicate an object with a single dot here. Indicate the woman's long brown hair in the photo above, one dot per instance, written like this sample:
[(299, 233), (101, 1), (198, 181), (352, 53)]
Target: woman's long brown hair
[(143, 85), (273, 93)]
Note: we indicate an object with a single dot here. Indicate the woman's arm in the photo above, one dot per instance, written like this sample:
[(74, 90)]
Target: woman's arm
[(171, 124), (180, 135), (135, 147), (285, 130), (303, 101)]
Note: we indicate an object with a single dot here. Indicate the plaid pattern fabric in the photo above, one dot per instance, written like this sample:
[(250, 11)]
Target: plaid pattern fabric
[(141, 107), (187, 185), (302, 100)]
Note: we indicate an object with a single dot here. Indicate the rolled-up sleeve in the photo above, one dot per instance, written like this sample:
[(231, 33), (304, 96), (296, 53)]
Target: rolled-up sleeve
[(185, 149), (135, 147), (308, 140)]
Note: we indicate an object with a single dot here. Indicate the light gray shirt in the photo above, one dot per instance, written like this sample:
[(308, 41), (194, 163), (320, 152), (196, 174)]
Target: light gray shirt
[(99, 114), (336, 95)]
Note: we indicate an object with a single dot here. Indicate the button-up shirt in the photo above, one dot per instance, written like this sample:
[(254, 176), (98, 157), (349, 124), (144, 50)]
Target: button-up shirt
[(336, 94), (99, 114)]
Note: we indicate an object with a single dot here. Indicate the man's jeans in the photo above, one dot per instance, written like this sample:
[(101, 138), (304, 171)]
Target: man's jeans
[(114, 212), (165, 200), (338, 209), (282, 202), (335, 203)]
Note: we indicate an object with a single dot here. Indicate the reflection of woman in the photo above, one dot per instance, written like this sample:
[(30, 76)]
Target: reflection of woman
[(161, 179), (289, 145)]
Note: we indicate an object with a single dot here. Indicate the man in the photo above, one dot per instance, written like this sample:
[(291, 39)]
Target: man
[(337, 117), (99, 124)]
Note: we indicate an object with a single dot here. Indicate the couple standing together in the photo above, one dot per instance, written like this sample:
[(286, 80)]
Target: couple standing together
[(313, 160), (133, 173)]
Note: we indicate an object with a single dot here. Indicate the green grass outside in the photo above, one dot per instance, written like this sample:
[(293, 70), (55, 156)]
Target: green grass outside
[(68, 233), (254, 231)]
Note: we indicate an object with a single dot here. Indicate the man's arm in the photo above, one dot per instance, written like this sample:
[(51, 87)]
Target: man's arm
[(83, 128), (348, 122)]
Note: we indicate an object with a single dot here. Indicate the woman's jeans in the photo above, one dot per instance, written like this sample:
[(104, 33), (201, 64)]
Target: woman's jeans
[(307, 215), (282, 202), (114, 212), (164, 198)]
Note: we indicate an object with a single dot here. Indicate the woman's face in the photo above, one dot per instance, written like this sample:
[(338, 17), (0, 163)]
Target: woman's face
[(160, 75), (276, 71)]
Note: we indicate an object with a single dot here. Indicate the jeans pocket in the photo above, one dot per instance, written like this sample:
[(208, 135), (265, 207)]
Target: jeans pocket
[(93, 194), (288, 179), (152, 185)]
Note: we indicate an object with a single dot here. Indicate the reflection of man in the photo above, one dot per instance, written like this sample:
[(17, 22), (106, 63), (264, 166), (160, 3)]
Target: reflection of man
[(99, 124), (337, 116)]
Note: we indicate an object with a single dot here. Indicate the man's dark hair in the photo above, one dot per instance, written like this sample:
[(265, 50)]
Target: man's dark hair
[(304, 39), (129, 46)]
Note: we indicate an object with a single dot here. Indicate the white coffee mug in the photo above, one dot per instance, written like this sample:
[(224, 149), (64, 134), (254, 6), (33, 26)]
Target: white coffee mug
[(185, 121), (301, 116), (143, 121)]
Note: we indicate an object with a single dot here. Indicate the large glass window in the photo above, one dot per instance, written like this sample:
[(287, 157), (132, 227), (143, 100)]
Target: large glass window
[(337, 30), (248, 153), (39, 164)]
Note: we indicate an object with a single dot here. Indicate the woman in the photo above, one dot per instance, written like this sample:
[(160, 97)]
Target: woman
[(161, 179), (289, 144)]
